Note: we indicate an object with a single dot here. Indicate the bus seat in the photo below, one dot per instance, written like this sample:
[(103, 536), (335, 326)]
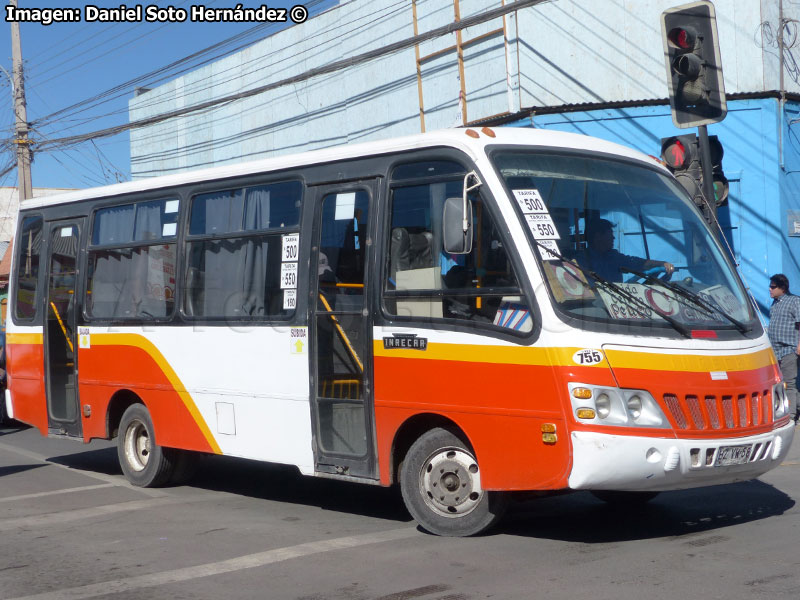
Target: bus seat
[(410, 250), (411, 267)]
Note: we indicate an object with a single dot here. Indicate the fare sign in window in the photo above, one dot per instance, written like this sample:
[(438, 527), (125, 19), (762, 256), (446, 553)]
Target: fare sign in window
[(290, 246), (539, 222)]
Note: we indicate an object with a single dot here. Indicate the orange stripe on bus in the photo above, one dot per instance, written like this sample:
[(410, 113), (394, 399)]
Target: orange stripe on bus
[(693, 363), (142, 343), (24, 338), (563, 357)]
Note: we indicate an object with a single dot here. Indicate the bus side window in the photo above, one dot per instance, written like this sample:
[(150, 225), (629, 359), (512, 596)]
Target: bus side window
[(425, 281), (415, 248), (29, 244), (233, 252), (132, 261)]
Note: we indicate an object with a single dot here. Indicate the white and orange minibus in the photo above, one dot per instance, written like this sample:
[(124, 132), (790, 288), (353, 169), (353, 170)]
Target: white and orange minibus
[(430, 311)]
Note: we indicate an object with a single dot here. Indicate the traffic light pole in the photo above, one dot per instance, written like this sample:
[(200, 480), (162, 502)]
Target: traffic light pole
[(708, 184)]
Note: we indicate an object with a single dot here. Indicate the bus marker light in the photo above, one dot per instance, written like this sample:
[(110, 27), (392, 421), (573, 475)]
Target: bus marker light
[(548, 427), (87, 410), (473, 134), (704, 334), (586, 413), (582, 393), (549, 438), (487, 131)]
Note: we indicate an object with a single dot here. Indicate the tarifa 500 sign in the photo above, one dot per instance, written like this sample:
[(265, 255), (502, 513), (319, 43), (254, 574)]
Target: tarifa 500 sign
[(152, 13)]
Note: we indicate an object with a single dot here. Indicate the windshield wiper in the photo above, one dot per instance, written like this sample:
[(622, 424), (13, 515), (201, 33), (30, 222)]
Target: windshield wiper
[(632, 301), (696, 299)]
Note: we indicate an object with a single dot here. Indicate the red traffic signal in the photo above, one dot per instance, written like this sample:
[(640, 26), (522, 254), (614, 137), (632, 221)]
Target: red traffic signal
[(694, 67), (679, 152), (682, 37)]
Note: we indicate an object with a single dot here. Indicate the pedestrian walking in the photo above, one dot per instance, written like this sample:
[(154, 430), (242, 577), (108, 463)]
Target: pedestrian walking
[(784, 319)]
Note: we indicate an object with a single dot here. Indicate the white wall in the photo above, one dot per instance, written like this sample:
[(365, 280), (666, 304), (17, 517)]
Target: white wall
[(9, 207), (560, 52)]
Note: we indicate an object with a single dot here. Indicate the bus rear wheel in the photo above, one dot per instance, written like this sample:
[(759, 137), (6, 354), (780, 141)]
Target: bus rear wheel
[(441, 485), (144, 463)]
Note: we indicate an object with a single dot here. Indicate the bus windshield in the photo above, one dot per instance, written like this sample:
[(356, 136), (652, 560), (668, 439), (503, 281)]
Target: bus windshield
[(622, 244)]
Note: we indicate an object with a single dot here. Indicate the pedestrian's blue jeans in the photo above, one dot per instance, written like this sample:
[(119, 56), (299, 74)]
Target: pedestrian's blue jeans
[(789, 371)]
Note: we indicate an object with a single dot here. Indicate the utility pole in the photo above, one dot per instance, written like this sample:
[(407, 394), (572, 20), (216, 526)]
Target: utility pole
[(21, 114)]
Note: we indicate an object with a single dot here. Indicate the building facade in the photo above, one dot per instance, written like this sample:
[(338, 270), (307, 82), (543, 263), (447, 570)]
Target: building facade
[(587, 66)]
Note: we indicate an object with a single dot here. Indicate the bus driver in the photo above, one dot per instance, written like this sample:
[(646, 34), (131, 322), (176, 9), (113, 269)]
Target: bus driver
[(602, 258)]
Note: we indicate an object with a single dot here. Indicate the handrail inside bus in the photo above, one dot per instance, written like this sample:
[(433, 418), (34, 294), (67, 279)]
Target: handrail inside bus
[(342, 285), (61, 324), (343, 335)]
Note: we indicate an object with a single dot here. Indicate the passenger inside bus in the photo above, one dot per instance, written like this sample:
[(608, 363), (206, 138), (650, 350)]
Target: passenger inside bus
[(609, 263)]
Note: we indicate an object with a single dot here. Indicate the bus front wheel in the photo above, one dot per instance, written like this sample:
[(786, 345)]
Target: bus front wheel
[(144, 463), (441, 485)]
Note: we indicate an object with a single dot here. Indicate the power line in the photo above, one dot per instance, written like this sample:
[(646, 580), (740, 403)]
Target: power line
[(213, 79), (220, 49), (97, 45), (309, 74), (166, 71), (210, 82)]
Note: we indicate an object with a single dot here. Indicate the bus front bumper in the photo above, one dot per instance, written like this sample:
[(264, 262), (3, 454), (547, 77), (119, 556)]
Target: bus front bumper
[(634, 463)]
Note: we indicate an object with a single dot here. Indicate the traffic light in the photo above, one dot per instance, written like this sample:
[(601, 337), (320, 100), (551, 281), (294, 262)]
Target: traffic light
[(718, 178), (681, 155), (694, 68)]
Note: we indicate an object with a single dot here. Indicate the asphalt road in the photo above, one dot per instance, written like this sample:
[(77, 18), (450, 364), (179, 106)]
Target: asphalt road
[(72, 528)]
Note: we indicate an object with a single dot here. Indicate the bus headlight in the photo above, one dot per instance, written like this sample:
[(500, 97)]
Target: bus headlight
[(603, 405), (615, 406), (643, 409), (634, 406), (780, 401)]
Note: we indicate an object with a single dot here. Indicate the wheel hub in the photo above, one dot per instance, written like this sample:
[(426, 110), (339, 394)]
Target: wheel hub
[(450, 482), (137, 446)]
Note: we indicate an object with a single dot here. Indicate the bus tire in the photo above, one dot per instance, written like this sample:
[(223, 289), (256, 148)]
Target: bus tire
[(624, 499), (186, 463), (144, 463), (440, 484)]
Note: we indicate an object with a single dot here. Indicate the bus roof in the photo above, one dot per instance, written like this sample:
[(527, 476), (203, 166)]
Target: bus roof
[(461, 138)]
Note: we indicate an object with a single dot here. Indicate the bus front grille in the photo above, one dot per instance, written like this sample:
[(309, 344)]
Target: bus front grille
[(710, 412)]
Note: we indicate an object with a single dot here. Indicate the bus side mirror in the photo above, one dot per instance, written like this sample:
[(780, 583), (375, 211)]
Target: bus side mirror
[(456, 239)]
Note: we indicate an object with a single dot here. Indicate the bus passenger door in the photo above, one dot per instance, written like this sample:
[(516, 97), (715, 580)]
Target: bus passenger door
[(341, 330), (60, 350)]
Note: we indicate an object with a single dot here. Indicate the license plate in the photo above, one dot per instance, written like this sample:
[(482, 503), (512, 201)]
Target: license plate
[(733, 455)]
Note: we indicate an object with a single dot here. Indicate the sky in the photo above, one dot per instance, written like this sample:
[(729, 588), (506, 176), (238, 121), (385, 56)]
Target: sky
[(70, 63)]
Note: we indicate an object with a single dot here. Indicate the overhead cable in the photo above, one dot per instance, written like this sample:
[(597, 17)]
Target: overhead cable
[(166, 70), (309, 74)]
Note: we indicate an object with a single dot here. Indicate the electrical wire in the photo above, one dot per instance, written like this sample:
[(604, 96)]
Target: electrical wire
[(309, 74), (34, 75), (214, 81), (167, 71)]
